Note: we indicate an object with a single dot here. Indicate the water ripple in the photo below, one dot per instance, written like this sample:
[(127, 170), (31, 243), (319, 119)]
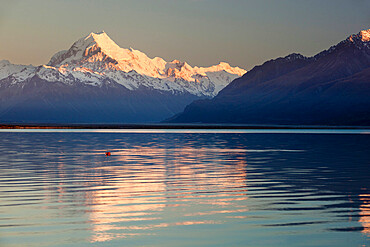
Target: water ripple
[(59, 189)]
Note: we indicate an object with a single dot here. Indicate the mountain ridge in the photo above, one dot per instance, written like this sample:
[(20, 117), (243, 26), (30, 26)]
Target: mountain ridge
[(296, 91)]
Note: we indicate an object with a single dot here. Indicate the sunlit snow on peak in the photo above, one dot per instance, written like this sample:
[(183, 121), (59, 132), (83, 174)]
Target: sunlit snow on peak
[(365, 35), (362, 37), (97, 58)]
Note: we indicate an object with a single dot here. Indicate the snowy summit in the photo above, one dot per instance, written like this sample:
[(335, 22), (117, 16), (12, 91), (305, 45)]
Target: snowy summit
[(97, 57), (96, 81)]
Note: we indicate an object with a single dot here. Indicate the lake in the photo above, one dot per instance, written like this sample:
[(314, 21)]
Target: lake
[(184, 188)]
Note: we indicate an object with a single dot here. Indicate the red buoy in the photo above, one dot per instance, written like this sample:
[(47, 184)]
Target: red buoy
[(107, 153)]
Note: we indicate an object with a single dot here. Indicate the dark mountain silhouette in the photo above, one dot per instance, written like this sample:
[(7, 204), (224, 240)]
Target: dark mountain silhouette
[(331, 88)]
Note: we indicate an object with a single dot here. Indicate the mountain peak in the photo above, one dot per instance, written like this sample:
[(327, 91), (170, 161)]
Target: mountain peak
[(362, 36), (98, 33), (105, 43), (365, 35), (97, 52), (100, 38), (99, 45), (6, 62), (294, 56)]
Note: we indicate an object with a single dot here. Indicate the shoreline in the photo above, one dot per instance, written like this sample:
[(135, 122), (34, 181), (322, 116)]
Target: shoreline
[(171, 126)]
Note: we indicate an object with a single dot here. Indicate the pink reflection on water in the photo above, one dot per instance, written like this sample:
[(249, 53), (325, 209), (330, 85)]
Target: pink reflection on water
[(134, 194), (145, 186), (365, 213), (103, 237), (218, 212)]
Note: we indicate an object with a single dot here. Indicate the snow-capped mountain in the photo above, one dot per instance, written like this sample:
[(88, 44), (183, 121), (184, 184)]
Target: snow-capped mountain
[(330, 88), (96, 75), (96, 58)]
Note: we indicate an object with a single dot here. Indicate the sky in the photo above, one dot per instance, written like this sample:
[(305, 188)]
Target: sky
[(243, 33)]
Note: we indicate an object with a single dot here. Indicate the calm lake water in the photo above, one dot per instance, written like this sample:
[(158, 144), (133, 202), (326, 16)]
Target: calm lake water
[(185, 188)]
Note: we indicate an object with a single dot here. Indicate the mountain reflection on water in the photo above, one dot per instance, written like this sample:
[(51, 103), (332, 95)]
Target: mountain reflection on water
[(158, 189)]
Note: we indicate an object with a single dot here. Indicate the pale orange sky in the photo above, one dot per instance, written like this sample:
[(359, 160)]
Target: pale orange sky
[(202, 32)]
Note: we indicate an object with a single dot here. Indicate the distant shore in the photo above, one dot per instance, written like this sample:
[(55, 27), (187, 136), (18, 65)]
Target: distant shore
[(170, 126)]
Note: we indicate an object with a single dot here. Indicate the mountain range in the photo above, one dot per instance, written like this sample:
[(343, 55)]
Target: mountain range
[(330, 88), (96, 81)]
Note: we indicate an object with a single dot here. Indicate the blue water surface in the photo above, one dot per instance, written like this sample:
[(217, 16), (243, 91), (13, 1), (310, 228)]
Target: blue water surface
[(184, 188)]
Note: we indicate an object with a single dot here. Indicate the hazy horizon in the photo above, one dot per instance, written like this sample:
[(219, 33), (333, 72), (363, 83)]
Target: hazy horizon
[(200, 32)]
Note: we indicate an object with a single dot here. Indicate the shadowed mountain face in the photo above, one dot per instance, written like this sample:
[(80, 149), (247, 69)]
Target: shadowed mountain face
[(331, 88), (96, 81), (40, 101)]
